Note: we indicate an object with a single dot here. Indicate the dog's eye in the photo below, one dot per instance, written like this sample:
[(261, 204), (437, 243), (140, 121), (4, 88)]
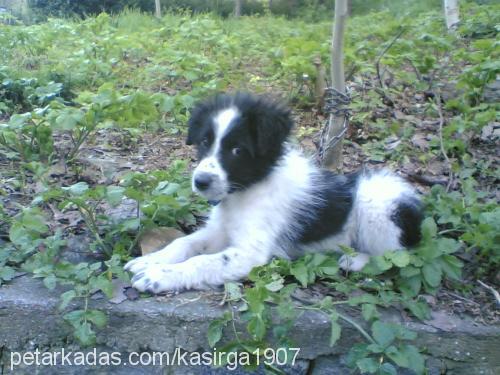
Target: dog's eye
[(236, 151), (205, 142)]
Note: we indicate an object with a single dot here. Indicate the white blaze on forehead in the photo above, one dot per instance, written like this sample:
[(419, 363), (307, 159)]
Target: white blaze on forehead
[(222, 121)]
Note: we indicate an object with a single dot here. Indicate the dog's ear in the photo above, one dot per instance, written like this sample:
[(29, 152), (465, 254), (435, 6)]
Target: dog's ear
[(196, 124), (271, 123)]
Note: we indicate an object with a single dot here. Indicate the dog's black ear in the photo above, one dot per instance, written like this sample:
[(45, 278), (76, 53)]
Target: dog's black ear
[(196, 124), (271, 123)]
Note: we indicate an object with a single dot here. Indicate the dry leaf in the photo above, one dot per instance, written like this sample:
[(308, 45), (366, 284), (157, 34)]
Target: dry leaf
[(157, 238)]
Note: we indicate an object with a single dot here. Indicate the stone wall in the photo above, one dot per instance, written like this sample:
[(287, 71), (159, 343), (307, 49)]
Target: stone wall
[(29, 319)]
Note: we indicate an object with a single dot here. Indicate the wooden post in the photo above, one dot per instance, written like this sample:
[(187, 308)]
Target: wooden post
[(332, 158)]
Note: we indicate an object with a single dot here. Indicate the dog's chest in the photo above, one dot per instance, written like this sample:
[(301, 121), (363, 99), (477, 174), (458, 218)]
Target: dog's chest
[(247, 220)]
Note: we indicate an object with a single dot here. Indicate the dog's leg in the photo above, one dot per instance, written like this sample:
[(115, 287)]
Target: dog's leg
[(204, 241), (200, 272)]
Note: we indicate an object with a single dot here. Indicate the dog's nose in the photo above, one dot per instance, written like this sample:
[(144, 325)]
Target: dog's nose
[(202, 181)]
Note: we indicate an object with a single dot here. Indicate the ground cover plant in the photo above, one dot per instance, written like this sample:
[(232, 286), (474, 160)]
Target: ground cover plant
[(92, 121)]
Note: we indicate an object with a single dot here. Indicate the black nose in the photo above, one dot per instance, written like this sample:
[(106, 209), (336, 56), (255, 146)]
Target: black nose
[(202, 181)]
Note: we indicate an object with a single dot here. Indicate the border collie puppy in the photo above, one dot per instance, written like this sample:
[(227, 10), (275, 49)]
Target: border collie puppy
[(271, 201)]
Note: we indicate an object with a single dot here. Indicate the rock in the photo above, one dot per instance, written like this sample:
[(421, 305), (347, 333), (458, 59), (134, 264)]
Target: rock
[(157, 238), (29, 319), (491, 132), (331, 365), (491, 93)]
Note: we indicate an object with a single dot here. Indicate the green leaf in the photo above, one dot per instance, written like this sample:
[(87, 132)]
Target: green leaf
[(377, 265), (367, 365), (409, 271), (114, 195), (300, 272), (335, 330), (396, 356), (428, 228), (255, 297), (275, 285), (214, 333), (451, 266), (256, 327), (19, 235), (6, 273), (233, 291), (50, 282), (387, 369), (432, 273), (416, 361), (363, 298), (84, 334), (97, 317), (418, 308), (102, 283), (399, 258), (35, 222), (369, 311), (66, 298), (411, 286), (77, 189), (383, 333), (74, 317)]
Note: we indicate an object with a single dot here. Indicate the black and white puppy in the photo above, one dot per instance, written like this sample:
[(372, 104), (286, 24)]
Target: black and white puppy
[(271, 201)]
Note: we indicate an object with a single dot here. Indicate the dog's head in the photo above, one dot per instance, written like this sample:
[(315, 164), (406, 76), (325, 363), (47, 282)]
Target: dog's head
[(239, 139)]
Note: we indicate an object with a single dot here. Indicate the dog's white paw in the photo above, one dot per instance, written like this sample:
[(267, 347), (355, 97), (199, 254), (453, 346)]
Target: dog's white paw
[(353, 263), (139, 263), (170, 255), (158, 277)]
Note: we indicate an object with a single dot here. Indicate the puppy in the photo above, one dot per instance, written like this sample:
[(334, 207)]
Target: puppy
[(269, 201)]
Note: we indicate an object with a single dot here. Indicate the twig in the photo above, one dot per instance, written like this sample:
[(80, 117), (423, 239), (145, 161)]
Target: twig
[(427, 180), (492, 290), (377, 64), (437, 98)]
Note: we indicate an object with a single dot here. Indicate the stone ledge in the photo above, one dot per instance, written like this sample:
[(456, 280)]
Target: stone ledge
[(29, 319)]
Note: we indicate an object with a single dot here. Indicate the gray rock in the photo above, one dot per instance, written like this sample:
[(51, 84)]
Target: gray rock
[(29, 319), (491, 93)]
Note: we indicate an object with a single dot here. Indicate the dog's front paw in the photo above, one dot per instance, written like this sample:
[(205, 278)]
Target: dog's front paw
[(353, 263), (157, 278), (169, 255)]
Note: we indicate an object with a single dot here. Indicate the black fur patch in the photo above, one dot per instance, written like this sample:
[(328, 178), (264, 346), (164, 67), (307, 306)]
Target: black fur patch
[(408, 216), (337, 193)]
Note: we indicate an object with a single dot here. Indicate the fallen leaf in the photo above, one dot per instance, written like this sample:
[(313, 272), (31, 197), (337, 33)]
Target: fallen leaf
[(157, 238)]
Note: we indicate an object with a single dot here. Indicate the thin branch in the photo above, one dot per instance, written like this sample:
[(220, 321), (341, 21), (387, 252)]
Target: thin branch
[(358, 327), (377, 64), (492, 290), (437, 98)]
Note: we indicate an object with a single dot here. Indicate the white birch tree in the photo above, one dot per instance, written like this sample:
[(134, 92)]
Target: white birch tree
[(451, 13), (157, 8)]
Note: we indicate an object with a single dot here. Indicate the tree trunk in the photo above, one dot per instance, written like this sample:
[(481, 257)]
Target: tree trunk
[(451, 13), (332, 158), (157, 8), (237, 8)]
